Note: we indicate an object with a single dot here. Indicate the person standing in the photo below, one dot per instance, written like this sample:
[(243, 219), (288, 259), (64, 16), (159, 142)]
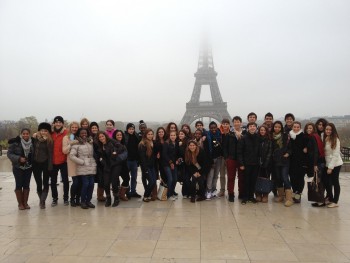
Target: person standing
[(334, 163), (42, 161), (20, 153), (82, 154), (68, 141), (59, 161), (147, 161), (225, 130), (248, 156), (110, 128), (131, 143)]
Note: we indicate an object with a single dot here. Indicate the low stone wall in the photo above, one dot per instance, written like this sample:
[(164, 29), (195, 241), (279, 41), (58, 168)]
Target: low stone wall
[(5, 164)]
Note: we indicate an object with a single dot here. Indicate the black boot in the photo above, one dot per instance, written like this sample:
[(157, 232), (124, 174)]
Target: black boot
[(116, 200), (43, 199), (108, 201)]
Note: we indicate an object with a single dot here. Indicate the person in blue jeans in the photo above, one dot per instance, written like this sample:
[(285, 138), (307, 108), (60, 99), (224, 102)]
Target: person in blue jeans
[(131, 143), (170, 160), (83, 155)]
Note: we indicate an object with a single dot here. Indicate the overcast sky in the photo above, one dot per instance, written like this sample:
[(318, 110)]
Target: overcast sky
[(132, 60)]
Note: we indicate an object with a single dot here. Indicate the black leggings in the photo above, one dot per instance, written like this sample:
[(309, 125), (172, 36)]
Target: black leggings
[(333, 182), (41, 176), (111, 176), (297, 174)]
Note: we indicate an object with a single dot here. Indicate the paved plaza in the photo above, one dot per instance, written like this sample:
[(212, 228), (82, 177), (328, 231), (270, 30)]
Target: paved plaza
[(213, 231)]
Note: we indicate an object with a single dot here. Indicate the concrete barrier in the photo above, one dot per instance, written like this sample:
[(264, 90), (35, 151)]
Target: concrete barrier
[(5, 164)]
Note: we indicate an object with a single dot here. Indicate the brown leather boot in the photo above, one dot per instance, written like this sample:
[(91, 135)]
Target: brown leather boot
[(122, 192), (154, 193), (19, 196), (265, 198), (258, 197), (25, 198), (100, 197), (289, 199)]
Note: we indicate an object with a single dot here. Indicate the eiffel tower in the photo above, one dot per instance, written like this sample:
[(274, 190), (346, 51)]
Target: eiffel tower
[(205, 75)]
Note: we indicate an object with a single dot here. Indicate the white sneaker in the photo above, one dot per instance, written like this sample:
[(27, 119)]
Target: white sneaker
[(214, 193), (184, 197), (332, 205), (208, 195), (173, 198)]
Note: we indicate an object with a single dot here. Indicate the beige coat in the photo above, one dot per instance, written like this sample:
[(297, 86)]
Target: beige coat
[(333, 157), (82, 155), (66, 146)]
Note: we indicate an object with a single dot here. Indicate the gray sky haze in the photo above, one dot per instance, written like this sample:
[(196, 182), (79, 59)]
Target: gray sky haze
[(132, 60)]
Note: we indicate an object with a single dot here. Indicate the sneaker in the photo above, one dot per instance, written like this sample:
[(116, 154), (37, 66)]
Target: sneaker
[(145, 199), (318, 204), (214, 194), (327, 202), (176, 194), (172, 198), (184, 197), (252, 200), (136, 195), (231, 198), (244, 202), (66, 203), (208, 196), (90, 205), (73, 204), (84, 206), (54, 202), (332, 205)]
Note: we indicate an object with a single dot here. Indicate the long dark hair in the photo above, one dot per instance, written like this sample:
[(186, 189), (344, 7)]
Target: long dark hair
[(333, 137), (145, 142), (165, 134), (267, 135), (123, 136), (191, 157), (273, 127)]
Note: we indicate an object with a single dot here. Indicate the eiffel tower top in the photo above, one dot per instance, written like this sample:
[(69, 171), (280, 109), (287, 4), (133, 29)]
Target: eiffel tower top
[(205, 61)]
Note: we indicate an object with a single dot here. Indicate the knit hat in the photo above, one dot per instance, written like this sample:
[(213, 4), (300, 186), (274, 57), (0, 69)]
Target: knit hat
[(94, 124), (44, 125), (58, 118), (130, 125), (142, 123)]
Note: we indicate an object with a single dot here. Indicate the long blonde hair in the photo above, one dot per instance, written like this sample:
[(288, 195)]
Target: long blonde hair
[(70, 126)]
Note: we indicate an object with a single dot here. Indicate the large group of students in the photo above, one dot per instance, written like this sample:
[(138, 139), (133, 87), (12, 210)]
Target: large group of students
[(284, 153)]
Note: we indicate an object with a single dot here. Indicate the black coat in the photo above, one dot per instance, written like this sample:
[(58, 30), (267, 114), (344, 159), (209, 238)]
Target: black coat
[(265, 152), (15, 152), (203, 166), (114, 153), (298, 158), (146, 161), (230, 146), (279, 152), (170, 153), (248, 149)]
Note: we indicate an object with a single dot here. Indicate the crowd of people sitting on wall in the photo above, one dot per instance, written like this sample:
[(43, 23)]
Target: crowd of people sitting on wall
[(284, 153)]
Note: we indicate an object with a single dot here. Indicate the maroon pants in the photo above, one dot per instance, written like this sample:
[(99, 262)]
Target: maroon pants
[(232, 167)]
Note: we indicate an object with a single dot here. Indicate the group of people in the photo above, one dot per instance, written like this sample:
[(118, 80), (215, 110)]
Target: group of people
[(282, 153)]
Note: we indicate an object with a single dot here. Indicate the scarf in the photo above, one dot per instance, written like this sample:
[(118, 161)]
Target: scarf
[(26, 145), (41, 138), (278, 139), (294, 135), (238, 134), (319, 145)]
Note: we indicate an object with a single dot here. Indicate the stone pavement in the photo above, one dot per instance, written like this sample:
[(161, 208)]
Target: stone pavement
[(173, 231)]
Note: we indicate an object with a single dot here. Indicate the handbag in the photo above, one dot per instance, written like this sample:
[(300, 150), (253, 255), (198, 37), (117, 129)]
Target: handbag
[(263, 183), (162, 191), (315, 190)]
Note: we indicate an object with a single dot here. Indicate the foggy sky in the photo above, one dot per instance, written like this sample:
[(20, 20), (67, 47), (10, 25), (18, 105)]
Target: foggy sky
[(132, 60)]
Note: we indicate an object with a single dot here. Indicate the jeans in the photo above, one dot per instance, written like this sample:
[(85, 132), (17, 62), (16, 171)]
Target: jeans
[(233, 168), (213, 174), (132, 166), (282, 177), (88, 182), (333, 182), (149, 180), (76, 188), (125, 175), (41, 176), (250, 175), (22, 178), (223, 176), (64, 174), (171, 176)]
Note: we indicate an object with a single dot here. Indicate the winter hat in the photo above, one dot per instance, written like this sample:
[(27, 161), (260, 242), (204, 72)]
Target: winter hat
[(142, 123), (58, 118), (44, 125), (94, 124), (130, 125)]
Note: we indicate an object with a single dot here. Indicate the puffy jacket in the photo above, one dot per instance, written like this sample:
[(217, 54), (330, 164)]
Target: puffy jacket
[(333, 156), (58, 156), (83, 155), (114, 153), (15, 151), (248, 149), (67, 144), (279, 152), (42, 152)]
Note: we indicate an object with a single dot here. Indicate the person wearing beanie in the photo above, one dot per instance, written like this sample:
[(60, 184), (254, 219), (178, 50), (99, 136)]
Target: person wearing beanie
[(142, 128), (131, 143), (42, 161), (59, 160), (94, 129)]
